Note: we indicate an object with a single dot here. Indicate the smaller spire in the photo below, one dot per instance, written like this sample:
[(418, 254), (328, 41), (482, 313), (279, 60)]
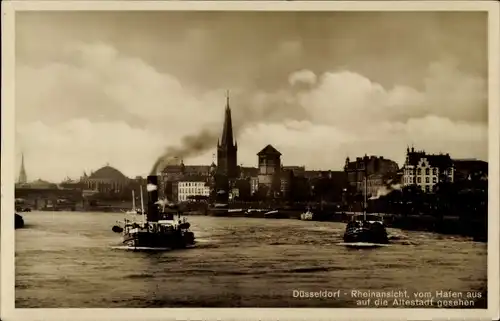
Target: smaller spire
[(22, 173), (227, 98)]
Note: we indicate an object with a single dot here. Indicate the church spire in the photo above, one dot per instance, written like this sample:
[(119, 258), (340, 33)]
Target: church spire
[(227, 130), (22, 174)]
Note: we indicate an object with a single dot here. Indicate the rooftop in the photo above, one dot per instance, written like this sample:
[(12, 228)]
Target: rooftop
[(108, 172), (269, 150)]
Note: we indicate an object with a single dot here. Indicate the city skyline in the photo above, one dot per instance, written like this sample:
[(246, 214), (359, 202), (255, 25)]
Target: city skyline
[(22, 169), (98, 98)]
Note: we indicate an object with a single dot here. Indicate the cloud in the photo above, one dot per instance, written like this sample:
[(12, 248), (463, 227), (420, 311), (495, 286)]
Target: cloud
[(69, 148), (93, 104), (302, 76)]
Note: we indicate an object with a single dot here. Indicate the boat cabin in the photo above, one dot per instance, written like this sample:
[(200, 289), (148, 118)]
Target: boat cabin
[(369, 217)]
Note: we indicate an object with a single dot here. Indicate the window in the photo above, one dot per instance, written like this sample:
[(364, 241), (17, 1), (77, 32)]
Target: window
[(434, 171), (427, 188), (427, 171), (419, 180), (427, 179), (434, 179), (419, 171)]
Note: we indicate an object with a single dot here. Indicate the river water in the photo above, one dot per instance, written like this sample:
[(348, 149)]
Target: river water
[(67, 259)]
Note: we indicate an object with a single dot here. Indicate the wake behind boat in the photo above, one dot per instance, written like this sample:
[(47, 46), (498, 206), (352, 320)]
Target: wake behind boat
[(359, 245), (133, 248), (307, 216)]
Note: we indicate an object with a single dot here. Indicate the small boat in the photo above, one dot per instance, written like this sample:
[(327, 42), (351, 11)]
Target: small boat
[(19, 221), (275, 214), (160, 229), (134, 210), (307, 216), (366, 228)]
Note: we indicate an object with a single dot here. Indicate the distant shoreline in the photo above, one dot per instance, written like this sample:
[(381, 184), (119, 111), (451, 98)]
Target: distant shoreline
[(447, 225)]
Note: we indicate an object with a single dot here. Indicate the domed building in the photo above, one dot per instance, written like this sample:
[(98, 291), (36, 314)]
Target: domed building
[(106, 179)]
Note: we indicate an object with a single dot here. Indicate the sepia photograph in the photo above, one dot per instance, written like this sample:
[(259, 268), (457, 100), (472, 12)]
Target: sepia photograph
[(189, 156)]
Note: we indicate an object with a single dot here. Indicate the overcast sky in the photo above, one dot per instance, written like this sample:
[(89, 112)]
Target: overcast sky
[(120, 88)]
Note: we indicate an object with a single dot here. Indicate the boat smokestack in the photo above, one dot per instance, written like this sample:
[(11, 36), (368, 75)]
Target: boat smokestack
[(152, 189)]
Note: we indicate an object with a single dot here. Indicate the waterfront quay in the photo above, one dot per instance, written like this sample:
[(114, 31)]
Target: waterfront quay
[(447, 224)]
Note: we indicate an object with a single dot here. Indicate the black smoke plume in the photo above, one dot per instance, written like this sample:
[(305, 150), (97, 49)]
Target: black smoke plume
[(191, 146)]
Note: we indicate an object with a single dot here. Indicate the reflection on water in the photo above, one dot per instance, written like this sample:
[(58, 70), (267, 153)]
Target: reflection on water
[(67, 260)]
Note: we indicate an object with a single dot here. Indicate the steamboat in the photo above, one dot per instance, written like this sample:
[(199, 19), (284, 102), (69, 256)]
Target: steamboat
[(162, 226), (365, 229)]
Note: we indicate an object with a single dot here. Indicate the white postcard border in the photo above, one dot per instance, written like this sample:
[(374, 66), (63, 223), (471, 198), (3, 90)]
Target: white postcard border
[(8, 311)]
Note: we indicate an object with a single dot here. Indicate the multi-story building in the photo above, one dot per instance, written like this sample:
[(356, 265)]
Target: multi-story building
[(286, 182), (242, 189), (427, 170), (106, 180), (191, 187), (254, 185), (296, 170), (378, 171), (270, 170), (470, 170), (374, 183), (175, 171), (246, 172)]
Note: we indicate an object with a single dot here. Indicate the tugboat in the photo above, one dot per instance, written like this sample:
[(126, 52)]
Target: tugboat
[(159, 229), (365, 230)]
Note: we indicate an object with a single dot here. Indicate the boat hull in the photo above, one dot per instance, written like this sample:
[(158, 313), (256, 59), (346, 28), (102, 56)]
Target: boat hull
[(369, 234), (19, 221), (363, 245), (174, 239)]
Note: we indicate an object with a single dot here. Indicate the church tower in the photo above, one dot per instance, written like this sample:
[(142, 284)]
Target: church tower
[(22, 174), (227, 148)]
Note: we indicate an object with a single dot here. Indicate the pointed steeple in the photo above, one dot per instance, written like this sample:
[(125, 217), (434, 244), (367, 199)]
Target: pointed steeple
[(22, 174), (226, 148), (227, 130)]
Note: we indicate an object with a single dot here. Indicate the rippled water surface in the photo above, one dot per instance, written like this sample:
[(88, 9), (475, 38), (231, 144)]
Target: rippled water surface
[(67, 260)]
